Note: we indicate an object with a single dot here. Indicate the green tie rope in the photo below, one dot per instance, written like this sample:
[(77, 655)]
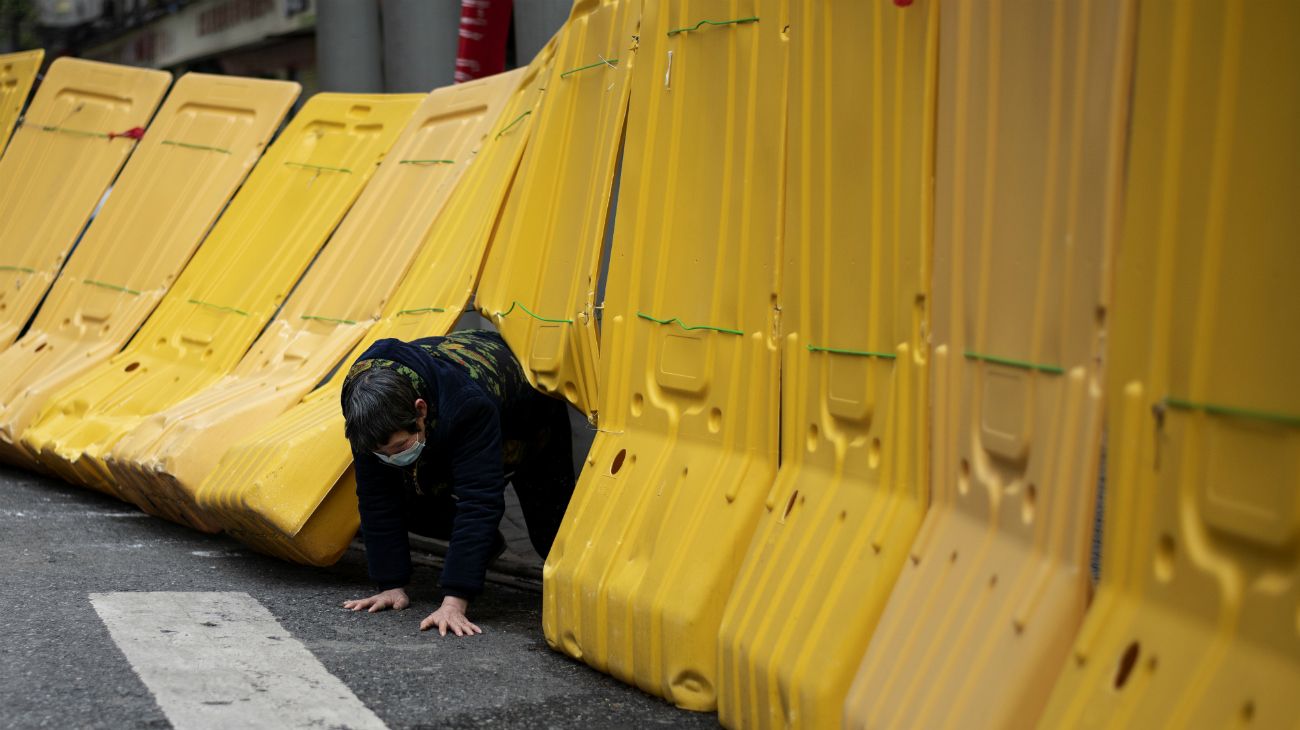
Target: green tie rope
[(1232, 412), (612, 63), (698, 25), (857, 353), (319, 167), (1023, 364), (689, 327), (23, 269), (511, 125), (426, 162), (328, 319), (191, 146), (420, 310), (66, 130), (114, 287), (534, 316), (219, 307)]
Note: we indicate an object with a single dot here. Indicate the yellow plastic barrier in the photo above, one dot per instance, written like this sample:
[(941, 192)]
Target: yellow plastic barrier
[(287, 489), (1196, 622), (539, 282), (17, 73), (161, 463), (206, 137), (257, 251), (673, 488), (853, 485), (1032, 107), (57, 167)]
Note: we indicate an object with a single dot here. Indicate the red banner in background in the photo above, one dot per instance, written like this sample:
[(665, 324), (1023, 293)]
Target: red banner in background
[(484, 31)]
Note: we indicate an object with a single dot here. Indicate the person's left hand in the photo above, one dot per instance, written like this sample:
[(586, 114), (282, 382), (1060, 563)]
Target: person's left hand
[(451, 616)]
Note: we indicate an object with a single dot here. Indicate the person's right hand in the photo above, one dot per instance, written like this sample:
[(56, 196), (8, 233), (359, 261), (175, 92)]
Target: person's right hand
[(394, 598)]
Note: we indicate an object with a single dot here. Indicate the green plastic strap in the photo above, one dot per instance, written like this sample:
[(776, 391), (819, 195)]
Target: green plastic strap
[(426, 162), (319, 167), (1051, 369), (190, 146), (612, 63), (1230, 411), (114, 287), (858, 353), (219, 307), (530, 314), (511, 125), (689, 327), (698, 25), (328, 319), (23, 269), (420, 310)]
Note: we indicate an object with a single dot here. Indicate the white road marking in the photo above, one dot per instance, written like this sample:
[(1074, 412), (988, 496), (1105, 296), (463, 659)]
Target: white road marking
[(221, 660)]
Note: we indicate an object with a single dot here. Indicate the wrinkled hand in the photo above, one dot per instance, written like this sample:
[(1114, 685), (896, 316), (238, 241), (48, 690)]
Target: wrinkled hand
[(451, 616), (394, 598)]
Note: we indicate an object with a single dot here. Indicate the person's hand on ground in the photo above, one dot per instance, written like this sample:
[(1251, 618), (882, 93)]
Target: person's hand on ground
[(394, 598), (450, 616)]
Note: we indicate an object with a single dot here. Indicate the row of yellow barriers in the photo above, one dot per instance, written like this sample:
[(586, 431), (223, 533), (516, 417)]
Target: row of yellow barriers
[(883, 278)]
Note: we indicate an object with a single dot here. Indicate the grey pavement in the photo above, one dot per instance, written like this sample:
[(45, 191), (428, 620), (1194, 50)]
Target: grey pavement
[(59, 667)]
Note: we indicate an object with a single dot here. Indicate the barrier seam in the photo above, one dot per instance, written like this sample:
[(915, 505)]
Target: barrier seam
[(319, 167), (220, 307), (1213, 409), (858, 353), (509, 126), (114, 287), (534, 316), (23, 269), (419, 310), (426, 162), (690, 327), (329, 319), (192, 146), (1023, 364), (698, 25), (611, 62)]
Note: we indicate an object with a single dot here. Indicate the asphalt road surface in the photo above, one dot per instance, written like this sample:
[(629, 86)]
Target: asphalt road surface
[(112, 618)]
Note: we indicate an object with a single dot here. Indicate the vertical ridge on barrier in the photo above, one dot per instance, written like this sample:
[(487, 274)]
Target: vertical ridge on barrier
[(17, 74), (539, 281), (1196, 622), (45, 206), (853, 484), (257, 251), (1032, 107), (165, 201), (673, 488)]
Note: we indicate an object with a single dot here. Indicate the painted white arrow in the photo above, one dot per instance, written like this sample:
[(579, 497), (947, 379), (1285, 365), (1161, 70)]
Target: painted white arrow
[(221, 660)]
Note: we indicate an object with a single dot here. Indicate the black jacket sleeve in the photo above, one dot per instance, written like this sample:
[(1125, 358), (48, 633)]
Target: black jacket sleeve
[(478, 485), (383, 524)]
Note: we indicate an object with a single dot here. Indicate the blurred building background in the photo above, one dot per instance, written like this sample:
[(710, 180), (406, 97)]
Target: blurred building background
[(325, 45)]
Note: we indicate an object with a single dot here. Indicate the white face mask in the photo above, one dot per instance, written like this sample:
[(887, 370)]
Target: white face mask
[(403, 458)]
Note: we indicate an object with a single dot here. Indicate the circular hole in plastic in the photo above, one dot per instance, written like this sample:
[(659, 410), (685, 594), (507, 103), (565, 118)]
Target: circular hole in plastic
[(1126, 662), (814, 434), (132, 367), (638, 404), (1027, 504), (873, 453), (963, 477), (790, 505), (715, 420), (39, 347), (618, 461)]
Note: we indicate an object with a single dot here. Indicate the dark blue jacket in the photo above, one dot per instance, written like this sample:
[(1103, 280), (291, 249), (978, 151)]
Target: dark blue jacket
[(481, 413)]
